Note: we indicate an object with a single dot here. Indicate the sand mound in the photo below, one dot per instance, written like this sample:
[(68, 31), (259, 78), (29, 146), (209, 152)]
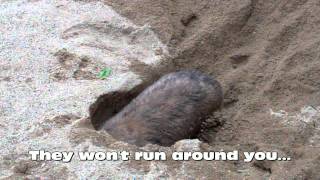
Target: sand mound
[(266, 55)]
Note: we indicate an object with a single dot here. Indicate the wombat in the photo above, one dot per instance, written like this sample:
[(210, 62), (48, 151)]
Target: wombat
[(169, 110)]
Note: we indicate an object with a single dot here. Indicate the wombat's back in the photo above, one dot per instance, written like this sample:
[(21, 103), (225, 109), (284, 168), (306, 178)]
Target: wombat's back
[(171, 109)]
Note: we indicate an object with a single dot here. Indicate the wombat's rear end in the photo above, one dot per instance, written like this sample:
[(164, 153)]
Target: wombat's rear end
[(171, 109)]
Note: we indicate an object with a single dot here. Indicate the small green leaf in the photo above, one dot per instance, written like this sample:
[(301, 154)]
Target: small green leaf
[(104, 73)]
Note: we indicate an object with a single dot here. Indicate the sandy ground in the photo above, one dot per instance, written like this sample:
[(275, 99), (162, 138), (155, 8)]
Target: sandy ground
[(51, 54), (264, 53)]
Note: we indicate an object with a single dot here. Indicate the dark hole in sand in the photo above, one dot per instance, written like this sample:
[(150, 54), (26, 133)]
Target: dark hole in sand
[(108, 105)]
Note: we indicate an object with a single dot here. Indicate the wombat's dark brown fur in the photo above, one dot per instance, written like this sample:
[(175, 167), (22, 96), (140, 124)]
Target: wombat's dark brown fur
[(171, 109)]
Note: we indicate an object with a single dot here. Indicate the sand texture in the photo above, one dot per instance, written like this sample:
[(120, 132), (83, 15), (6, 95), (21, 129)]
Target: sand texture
[(266, 55)]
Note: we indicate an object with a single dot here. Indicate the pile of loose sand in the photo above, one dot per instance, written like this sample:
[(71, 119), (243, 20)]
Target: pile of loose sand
[(267, 56)]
